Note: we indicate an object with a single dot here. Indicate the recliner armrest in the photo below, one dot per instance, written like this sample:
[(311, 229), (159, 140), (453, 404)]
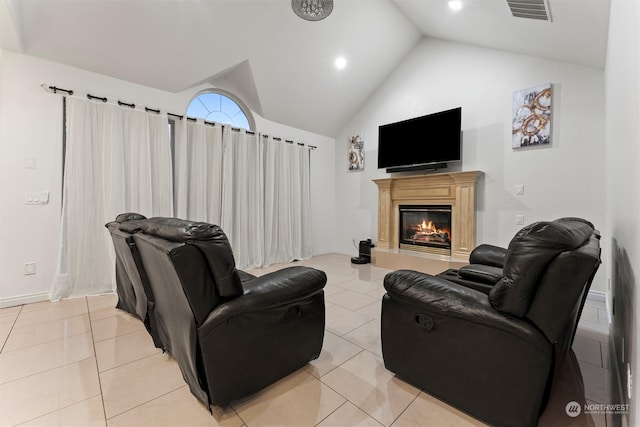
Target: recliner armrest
[(271, 290), (481, 273), (434, 294), (423, 289), (488, 255)]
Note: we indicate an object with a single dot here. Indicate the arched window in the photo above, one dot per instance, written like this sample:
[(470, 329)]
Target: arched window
[(220, 108)]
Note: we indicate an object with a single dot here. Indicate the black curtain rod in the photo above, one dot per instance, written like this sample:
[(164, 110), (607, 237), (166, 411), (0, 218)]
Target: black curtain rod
[(55, 89), (120, 103), (96, 97)]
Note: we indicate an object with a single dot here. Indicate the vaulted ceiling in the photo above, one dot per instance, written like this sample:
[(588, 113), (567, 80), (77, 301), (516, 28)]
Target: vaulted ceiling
[(280, 65)]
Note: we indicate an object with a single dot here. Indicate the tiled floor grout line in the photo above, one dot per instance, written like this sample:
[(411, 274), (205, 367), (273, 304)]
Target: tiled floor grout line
[(332, 412), (95, 356), (13, 325), (405, 409), (43, 342), (119, 335), (148, 401), (340, 394)]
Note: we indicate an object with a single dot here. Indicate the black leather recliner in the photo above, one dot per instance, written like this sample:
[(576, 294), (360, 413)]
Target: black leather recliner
[(493, 355), (132, 286), (231, 333)]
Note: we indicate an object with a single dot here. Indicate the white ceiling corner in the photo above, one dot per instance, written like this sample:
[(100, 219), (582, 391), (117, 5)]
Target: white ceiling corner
[(10, 29), (238, 79)]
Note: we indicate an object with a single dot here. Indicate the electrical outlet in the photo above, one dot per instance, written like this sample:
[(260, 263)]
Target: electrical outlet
[(30, 163), (520, 189), (29, 268)]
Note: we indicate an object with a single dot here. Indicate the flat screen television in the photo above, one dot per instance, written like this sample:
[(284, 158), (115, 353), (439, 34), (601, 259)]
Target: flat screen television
[(421, 143)]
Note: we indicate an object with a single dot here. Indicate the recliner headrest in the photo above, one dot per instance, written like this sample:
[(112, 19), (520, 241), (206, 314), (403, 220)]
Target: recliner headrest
[(208, 238), (129, 216), (528, 254), (180, 230)]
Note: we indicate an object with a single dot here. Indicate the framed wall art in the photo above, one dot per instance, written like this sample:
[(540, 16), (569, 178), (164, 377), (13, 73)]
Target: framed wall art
[(531, 123), (355, 153)]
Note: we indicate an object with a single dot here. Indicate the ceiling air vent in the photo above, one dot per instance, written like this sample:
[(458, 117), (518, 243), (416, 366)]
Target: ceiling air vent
[(532, 9)]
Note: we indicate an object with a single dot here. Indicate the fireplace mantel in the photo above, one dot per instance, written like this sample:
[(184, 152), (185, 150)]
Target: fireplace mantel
[(457, 189)]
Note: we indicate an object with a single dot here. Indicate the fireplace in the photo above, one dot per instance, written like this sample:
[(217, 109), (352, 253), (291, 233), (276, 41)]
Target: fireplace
[(454, 189), (425, 228)]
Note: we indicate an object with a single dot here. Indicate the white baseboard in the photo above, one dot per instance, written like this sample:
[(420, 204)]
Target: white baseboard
[(318, 252), (23, 299)]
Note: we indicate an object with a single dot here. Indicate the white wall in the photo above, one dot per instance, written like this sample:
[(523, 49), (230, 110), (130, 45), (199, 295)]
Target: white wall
[(623, 190), (564, 179), (31, 127)]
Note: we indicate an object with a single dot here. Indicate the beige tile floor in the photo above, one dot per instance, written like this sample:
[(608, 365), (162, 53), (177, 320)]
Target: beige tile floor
[(81, 362)]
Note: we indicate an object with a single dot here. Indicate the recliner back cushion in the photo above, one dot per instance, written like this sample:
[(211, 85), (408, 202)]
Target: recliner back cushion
[(210, 240), (528, 255), (562, 288), (174, 266)]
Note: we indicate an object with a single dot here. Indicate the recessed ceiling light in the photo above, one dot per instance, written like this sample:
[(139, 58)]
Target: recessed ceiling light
[(455, 5), (340, 62)]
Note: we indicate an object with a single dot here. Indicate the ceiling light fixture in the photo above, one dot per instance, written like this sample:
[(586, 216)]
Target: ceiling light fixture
[(455, 5), (340, 62), (312, 10)]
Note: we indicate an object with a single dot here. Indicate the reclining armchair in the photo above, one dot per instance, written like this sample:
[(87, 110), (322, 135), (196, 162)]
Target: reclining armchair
[(132, 286), (230, 332), (493, 354)]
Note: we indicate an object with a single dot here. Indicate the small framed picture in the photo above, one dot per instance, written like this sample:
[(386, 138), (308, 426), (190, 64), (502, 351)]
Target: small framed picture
[(355, 152)]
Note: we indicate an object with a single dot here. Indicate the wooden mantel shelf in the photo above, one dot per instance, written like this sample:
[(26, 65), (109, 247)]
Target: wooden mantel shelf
[(457, 189)]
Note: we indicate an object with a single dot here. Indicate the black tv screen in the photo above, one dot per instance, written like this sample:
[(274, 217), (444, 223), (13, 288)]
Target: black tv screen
[(420, 142)]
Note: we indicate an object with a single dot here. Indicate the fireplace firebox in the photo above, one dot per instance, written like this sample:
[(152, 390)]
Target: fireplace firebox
[(426, 228)]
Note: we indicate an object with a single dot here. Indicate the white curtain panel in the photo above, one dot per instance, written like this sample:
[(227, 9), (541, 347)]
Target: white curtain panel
[(116, 160), (198, 171), (287, 235), (242, 217), (255, 188)]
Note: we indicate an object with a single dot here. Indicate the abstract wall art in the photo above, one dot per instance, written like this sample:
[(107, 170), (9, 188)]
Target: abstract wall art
[(531, 124), (355, 152)]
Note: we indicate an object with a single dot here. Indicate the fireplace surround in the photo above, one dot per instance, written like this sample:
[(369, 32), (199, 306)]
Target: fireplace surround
[(454, 189)]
